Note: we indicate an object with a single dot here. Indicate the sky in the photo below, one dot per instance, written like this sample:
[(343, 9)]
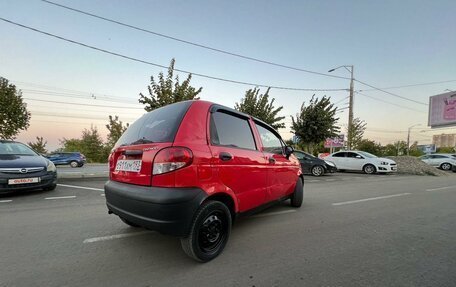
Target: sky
[(69, 88)]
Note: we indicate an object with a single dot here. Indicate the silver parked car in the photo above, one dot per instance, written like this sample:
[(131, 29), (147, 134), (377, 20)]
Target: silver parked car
[(443, 161)]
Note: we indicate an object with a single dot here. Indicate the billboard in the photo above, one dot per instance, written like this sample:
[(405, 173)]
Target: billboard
[(442, 110), (426, 148), (335, 142)]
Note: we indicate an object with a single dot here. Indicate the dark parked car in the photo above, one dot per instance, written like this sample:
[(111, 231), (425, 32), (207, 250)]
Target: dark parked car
[(314, 165), (74, 159), (21, 168), (190, 168)]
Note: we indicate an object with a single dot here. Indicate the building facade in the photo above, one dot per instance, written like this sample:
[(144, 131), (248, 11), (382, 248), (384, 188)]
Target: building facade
[(444, 140)]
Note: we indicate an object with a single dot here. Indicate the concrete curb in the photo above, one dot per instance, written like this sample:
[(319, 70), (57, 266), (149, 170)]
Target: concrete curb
[(82, 175)]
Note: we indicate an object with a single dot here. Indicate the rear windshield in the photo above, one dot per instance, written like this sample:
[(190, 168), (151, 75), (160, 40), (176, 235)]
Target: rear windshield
[(13, 148), (159, 125)]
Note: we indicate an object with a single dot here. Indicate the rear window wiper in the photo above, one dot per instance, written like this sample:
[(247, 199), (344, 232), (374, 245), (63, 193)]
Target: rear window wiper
[(141, 141)]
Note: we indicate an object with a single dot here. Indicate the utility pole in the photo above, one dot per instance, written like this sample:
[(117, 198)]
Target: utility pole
[(350, 110), (408, 137), (350, 102)]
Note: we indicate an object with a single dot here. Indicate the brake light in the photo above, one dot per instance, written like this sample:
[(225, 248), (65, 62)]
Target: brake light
[(172, 158)]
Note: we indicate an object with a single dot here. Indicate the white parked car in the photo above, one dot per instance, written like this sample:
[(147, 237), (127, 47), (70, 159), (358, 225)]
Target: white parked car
[(362, 161), (443, 161)]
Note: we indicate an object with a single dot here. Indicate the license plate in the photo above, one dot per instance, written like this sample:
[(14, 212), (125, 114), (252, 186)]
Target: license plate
[(23, 180), (128, 165)]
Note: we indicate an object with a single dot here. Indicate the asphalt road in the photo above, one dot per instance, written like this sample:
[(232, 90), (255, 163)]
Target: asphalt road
[(351, 231)]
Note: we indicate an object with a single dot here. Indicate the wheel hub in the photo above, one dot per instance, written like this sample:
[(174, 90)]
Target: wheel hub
[(212, 227)]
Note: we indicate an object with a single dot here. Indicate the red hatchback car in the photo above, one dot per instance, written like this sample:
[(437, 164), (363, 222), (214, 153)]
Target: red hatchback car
[(188, 169)]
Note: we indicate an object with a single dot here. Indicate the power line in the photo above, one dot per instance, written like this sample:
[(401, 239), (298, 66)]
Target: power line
[(383, 101), (63, 95), (389, 93), (71, 116), (162, 66), (79, 104), (66, 91), (411, 85), (192, 43)]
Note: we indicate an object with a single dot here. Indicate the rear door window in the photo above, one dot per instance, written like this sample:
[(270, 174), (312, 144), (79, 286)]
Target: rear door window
[(230, 130), (157, 126), (339, 154)]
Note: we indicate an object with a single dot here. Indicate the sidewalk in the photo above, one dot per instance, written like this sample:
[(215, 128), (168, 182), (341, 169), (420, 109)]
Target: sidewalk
[(90, 170)]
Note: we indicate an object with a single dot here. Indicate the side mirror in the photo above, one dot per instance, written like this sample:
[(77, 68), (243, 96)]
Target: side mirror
[(288, 151)]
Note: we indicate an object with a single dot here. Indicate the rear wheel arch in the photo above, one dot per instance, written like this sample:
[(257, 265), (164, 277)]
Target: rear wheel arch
[(225, 199)]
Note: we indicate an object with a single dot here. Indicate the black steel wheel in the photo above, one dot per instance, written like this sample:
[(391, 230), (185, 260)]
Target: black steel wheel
[(209, 232), (298, 194)]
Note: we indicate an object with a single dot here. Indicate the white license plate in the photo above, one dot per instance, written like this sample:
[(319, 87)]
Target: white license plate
[(128, 165), (23, 180)]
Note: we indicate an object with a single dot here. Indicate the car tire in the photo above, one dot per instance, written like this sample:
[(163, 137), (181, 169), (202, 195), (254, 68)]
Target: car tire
[(209, 232), (129, 222), (74, 164), (317, 170), (446, 166), (369, 169), (50, 187), (298, 194)]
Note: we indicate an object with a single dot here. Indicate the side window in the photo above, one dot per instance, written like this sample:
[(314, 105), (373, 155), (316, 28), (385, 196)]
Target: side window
[(339, 154), (271, 143), (230, 130), (299, 155), (352, 155)]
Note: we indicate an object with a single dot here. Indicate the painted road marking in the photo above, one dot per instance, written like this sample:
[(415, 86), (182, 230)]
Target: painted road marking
[(115, 236), (61, 197), (441, 188), (81, 187), (102, 194), (5, 201), (372, 198), (313, 180), (331, 179), (274, 213)]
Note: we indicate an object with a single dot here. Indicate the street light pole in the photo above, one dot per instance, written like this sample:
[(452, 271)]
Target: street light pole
[(350, 101), (408, 137)]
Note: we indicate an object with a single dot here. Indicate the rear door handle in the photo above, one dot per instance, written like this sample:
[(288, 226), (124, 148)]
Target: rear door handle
[(225, 156)]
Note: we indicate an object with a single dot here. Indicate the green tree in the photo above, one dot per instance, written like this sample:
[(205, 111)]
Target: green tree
[(370, 147), (116, 129), (355, 133), (90, 144), (165, 92), (401, 147), (445, 150), (39, 146), (315, 122), (14, 116), (260, 107), (389, 150)]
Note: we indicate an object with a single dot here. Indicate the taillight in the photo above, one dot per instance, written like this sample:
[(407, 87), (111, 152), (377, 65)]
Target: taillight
[(111, 160), (172, 158)]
